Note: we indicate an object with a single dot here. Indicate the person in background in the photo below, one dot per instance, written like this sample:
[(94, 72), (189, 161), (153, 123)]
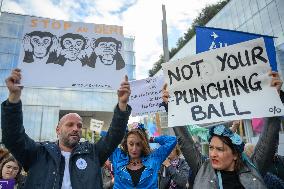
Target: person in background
[(11, 170), (174, 172), (4, 153), (249, 148), (271, 180), (107, 175)]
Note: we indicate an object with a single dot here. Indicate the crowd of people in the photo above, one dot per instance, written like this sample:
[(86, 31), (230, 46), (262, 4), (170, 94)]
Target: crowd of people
[(123, 158)]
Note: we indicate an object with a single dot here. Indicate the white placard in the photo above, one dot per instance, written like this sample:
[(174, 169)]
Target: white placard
[(146, 96), (229, 83), (57, 53), (96, 125)]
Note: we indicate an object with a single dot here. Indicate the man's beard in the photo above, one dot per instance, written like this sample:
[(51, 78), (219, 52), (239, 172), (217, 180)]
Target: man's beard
[(68, 141)]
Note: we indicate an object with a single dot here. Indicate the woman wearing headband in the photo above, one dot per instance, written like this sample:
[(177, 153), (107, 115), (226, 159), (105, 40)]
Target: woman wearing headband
[(228, 166)]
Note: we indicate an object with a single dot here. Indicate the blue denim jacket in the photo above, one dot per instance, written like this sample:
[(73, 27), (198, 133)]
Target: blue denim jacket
[(152, 163)]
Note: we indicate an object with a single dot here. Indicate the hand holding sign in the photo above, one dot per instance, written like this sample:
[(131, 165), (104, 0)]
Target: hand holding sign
[(123, 94), (276, 81)]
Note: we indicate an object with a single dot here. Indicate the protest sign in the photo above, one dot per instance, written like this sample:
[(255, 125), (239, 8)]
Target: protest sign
[(56, 53), (96, 125), (146, 96), (229, 83)]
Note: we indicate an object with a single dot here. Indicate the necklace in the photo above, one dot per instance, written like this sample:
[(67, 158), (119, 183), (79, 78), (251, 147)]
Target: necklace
[(135, 162)]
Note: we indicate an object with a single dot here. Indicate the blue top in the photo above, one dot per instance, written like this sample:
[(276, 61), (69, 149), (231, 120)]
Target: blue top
[(152, 163)]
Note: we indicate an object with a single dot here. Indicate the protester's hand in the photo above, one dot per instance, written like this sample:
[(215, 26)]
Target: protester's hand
[(14, 89), (167, 163), (165, 92), (235, 126), (276, 81), (123, 94)]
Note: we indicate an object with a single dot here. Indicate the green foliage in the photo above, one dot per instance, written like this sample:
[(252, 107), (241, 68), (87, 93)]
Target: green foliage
[(88, 136), (203, 18)]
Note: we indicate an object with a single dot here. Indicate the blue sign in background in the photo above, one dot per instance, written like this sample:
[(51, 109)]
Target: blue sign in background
[(7, 183), (208, 38)]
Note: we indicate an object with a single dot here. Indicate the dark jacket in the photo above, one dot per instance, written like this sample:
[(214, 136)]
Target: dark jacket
[(277, 166), (44, 162), (179, 175), (273, 182)]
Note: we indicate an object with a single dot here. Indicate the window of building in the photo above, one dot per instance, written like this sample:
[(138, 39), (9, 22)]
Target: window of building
[(257, 24), (267, 28), (275, 22), (253, 6), (261, 4)]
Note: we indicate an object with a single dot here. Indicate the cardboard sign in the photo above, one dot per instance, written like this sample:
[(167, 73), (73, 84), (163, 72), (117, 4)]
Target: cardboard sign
[(71, 54), (146, 96), (96, 125), (229, 83)]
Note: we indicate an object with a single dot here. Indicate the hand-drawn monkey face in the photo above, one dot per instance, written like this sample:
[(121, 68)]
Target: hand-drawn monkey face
[(40, 45), (73, 47), (106, 52)]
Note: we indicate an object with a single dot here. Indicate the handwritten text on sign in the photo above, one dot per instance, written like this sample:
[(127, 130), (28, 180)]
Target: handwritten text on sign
[(220, 85), (146, 95), (96, 125)]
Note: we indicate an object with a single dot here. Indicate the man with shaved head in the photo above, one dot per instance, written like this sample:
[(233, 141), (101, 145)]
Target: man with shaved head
[(67, 163)]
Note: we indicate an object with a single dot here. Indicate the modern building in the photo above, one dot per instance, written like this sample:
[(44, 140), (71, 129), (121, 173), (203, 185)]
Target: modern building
[(43, 107), (264, 17)]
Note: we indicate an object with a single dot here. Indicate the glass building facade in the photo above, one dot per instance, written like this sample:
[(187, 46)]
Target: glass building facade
[(264, 17), (43, 107)]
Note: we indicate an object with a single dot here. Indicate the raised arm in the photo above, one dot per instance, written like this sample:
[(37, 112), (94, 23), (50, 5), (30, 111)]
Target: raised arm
[(180, 174), (13, 133), (106, 145), (167, 144), (192, 156), (267, 143)]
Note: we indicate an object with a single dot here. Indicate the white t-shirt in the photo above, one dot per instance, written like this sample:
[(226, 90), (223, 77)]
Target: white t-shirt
[(66, 183)]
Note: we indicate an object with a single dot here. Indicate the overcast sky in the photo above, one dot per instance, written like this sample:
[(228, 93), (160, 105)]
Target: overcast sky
[(139, 18)]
